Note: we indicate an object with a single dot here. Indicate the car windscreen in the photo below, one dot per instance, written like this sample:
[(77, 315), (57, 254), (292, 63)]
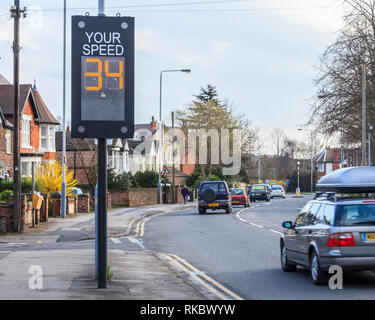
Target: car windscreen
[(214, 186), (237, 192), (355, 215), (258, 188)]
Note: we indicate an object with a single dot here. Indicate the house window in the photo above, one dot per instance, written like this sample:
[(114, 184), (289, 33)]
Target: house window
[(51, 138), (43, 137), (24, 169), (26, 120), (321, 167), (47, 138), (8, 142)]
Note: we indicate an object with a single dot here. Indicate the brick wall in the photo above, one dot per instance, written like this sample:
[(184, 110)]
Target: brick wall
[(143, 196), (83, 203), (119, 198)]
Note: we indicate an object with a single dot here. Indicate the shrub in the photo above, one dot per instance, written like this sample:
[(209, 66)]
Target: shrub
[(5, 195), (49, 177), (26, 185), (147, 179), (119, 182)]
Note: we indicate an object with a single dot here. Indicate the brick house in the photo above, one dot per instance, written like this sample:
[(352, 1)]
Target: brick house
[(6, 143), (37, 124), (329, 159)]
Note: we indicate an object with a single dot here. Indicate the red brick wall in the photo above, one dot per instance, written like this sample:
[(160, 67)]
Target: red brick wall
[(119, 198)]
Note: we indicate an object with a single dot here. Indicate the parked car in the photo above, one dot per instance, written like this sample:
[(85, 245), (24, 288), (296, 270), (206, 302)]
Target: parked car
[(77, 191), (239, 197), (333, 230), (214, 195), (277, 191), (259, 192)]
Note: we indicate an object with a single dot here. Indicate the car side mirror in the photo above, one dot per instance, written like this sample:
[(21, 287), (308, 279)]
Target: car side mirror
[(288, 225)]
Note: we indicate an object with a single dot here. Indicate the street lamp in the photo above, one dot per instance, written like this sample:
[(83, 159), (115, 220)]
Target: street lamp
[(311, 160), (161, 126), (370, 128)]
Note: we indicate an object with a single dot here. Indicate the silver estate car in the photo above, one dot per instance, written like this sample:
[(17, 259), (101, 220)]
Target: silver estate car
[(330, 231)]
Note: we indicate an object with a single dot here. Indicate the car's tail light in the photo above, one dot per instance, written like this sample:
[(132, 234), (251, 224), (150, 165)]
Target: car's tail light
[(341, 240)]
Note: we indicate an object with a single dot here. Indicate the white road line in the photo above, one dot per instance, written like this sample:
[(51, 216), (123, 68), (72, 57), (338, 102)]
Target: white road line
[(136, 241), (116, 241), (280, 233), (256, 225)]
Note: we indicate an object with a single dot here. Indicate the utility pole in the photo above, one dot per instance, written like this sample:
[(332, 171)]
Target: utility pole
[(363, 160), (311, 165), (16, 13), (63, 184), (173, 166)]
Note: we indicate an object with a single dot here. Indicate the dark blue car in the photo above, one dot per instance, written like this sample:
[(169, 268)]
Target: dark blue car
[(214, 195)]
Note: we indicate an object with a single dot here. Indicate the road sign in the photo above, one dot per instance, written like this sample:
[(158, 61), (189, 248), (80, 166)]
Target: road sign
[(165, 170), (102, 77), (287, 181)]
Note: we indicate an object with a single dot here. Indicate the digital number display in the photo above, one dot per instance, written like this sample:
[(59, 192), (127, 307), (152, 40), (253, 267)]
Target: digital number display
[(102, 88)]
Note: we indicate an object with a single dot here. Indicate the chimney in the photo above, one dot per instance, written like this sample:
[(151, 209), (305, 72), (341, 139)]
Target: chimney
[(153, 124)]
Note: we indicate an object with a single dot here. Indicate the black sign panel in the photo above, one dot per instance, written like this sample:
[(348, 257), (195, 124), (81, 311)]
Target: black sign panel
[(102, 77)]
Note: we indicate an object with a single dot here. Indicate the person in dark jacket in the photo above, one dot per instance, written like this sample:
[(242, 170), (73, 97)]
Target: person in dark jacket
[(185, 193)]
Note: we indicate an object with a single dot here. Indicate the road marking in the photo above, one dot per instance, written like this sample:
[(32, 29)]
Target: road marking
[(136, 241), (209, 279), (15, 244), (280, 233), (256, 225), (116, 241), (197, 275)]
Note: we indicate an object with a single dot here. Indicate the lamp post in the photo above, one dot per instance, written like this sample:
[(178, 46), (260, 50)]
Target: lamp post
[(311, 159), (370, 128), (161, 126)]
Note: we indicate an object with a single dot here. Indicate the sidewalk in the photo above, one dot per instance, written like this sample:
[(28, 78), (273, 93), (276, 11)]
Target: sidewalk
[(69, 273)]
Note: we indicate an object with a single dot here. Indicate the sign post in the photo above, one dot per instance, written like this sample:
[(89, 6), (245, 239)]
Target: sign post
[(102, 98)]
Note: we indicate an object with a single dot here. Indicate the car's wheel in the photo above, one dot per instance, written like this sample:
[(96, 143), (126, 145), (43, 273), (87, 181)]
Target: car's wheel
[(285, 265), (202, 211), (318, 275)]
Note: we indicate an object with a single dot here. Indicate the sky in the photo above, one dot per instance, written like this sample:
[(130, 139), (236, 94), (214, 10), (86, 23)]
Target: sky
[(260, 54)]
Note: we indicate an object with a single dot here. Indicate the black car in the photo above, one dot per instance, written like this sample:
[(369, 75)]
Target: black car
[(214, 195), (259, 192)]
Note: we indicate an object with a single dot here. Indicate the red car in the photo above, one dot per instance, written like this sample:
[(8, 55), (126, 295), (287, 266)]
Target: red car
[(239, 197)]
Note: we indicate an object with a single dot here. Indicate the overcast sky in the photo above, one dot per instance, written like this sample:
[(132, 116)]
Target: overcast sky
[(260, 54)]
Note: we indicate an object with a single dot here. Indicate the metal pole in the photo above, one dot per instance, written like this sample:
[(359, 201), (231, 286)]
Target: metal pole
[(33, 187), (102, 213), (63, 184), (369, 148), (363, 162), (18, 226), (258, 162), (160, 136), (173, 166), (102, 200)]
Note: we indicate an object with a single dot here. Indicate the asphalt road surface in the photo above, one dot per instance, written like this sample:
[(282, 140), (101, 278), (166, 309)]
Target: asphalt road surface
[(241, 251)]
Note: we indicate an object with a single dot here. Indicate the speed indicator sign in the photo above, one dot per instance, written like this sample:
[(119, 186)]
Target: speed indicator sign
[(102, 77)]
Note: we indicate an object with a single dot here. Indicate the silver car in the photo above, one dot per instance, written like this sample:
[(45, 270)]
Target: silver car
[(330, 231)]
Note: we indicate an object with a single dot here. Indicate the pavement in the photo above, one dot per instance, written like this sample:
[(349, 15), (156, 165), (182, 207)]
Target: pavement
[(56, 261)]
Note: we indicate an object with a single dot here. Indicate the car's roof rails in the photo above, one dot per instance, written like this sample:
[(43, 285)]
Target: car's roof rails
[(329, 195)]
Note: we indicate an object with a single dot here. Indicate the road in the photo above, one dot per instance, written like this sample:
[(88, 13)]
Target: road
[(241, 251)]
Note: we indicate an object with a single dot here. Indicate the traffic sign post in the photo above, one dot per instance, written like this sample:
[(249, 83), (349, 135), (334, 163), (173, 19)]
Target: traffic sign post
[(102, 99)]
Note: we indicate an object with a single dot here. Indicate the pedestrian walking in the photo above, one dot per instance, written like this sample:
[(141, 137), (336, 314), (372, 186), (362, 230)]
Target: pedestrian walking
[(185, 193)]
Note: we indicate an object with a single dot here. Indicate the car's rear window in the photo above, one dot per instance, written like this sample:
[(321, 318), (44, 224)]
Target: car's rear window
[(255, 188), (277, 188), (355, 215), (213, 186), (237, 192)]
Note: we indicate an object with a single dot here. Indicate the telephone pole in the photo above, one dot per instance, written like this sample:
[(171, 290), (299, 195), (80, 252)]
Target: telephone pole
[(16, 13)]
